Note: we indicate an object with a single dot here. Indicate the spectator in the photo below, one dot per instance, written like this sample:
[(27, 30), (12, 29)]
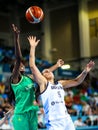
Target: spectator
[(6, 125), (96, 98), (79, 122), (41, 124), (91, 100), (95, 122), (88, 121), (1, 100), (78, 107), (86, 109), (69, 104), (2, 87), (1, 112), (69, 91)]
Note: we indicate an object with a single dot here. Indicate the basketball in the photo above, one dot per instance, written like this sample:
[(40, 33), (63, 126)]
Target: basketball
[(34, 14)]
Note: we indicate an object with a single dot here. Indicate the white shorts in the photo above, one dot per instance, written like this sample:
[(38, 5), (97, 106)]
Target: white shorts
[(61, 124)]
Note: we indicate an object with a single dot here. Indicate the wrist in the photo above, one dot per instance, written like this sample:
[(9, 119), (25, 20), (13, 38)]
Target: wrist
[(58, 65), (85, 71), (32, 46), (16, 34)]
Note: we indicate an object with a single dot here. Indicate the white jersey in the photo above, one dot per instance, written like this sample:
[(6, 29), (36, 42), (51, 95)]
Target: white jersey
[(53, 102)]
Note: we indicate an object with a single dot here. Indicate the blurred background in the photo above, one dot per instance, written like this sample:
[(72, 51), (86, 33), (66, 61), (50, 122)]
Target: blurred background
[(69, 31)]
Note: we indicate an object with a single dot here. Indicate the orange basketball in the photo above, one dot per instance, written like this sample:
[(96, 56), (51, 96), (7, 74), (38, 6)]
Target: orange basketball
[(34, 14)]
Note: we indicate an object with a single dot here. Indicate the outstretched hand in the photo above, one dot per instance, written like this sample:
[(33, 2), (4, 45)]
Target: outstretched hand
[(89, 66), (15, 29), (33, 41), (60, 62)]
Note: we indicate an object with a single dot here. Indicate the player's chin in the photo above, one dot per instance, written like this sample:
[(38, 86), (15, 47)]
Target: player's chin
[(22, 72)]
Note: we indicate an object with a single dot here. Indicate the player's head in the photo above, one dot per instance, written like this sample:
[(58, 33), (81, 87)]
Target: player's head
[(21, 68), (47, 74), (79, 118)]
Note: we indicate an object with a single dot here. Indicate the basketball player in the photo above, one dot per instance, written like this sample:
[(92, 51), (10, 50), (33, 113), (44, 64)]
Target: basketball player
[(23, 88), (25, 110), (52, 93)]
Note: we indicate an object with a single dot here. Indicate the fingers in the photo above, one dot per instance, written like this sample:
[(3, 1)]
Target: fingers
[(91, 63), (33, 40), (13, 25), (61, 61), (15, 28)]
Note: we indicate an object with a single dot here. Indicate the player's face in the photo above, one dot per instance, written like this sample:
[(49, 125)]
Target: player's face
[(47, 74), (22, 68)]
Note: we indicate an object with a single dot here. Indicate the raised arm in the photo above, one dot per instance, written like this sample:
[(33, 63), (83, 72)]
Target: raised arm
[(18, 53), (79, 79), (35, 71), (59, 63)]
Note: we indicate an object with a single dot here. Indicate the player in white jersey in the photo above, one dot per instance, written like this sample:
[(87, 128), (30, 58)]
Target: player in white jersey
[(52, 93)]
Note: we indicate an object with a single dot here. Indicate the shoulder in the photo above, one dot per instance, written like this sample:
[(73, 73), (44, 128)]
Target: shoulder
[(15, 80), (30, 76), (26, 76), (61, 81)]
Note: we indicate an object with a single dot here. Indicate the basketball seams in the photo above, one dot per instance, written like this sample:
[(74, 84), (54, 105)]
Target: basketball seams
[(34, 14), (36, 20)]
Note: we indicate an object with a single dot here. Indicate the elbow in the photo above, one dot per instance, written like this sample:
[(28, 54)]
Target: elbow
[(32, 67), (19, 59), (77, 82)]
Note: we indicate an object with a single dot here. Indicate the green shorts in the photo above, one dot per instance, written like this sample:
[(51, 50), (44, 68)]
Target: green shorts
[(25, 121)]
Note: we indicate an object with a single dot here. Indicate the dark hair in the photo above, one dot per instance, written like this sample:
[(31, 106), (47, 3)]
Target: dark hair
[(79, 118), (37, 92), (11, 94), (11, 67)]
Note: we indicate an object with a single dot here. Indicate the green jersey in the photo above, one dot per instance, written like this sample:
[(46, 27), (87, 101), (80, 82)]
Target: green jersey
[(24, 95)]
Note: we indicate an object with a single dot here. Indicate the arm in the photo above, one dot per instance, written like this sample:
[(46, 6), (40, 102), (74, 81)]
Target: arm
[(35, 71), (6, 115), (79, 79), (18, 54), (59, 63)]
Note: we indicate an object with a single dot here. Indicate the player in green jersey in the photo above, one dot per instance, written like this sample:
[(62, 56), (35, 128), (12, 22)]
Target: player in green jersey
[(25, 109), (23, 90)]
